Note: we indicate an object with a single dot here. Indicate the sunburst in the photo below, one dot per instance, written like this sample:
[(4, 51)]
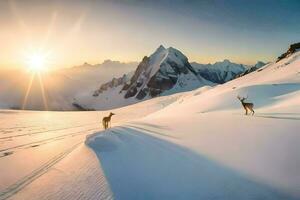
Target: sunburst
[(37, 61)]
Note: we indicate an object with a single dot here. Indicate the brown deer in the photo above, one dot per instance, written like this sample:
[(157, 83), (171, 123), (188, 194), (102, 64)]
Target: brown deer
[(247, 106), (107, 120)]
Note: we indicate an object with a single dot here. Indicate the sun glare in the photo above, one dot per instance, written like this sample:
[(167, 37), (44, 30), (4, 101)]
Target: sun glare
[(37, 62)]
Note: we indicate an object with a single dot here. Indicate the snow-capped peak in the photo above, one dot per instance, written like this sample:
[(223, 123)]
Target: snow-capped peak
[(159, 72), (226, 62), (162, 58), (160, 48)]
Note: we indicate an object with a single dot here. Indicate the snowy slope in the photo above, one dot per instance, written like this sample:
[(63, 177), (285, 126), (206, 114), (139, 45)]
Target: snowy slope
[(58, 165), (165, 72)]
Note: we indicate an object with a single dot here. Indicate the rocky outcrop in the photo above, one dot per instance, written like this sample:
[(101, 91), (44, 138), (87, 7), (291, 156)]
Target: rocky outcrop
[(293, 48), (115, 82), (136, 81), (258, 65)]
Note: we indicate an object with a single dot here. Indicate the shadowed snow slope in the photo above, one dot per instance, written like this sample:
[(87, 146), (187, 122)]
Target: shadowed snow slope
[(202, 146), (146, 162)]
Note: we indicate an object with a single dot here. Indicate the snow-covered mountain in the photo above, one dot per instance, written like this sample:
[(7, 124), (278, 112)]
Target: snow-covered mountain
[(166, 71), (221, 72)]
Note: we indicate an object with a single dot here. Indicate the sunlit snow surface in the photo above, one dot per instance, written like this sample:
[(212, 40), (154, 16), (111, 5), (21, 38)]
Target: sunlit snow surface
[(43, 156), (193, 145), (31, 143)]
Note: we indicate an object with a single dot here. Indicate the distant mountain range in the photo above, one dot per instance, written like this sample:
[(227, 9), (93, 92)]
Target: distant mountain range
[(164, 72), (221, 72), (99, 73)]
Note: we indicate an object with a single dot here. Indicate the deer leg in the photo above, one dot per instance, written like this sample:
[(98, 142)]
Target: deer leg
[(252, 112), (246, 111)]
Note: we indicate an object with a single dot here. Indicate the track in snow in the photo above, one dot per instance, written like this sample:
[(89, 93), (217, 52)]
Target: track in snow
[(11, 190)]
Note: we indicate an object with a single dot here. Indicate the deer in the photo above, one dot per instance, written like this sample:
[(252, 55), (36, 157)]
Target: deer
[(107, 120), (247, 106)]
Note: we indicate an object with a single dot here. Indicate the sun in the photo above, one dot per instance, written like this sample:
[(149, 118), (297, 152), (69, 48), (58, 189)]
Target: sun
[(36, 62)]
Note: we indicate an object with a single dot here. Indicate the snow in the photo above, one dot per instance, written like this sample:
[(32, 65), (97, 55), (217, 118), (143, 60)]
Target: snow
[(191, 145), (202, 146), (43, 156), (171, 158)]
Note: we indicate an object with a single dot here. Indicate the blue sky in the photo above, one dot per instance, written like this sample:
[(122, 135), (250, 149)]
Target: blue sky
[(126, 30)]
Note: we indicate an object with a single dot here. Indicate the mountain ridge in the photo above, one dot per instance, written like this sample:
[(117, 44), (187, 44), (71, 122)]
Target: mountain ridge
[(223, 71)]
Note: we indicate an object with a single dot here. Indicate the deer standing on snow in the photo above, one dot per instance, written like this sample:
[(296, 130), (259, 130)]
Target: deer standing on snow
[(107, 120), (247, 106)]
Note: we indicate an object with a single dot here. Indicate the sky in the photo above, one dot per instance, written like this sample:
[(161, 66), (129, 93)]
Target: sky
[(71, 32)]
